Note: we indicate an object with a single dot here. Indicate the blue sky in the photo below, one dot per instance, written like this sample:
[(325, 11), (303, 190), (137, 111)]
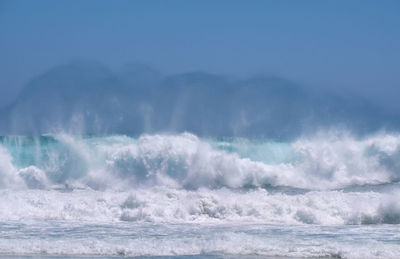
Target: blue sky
[(345, 45)]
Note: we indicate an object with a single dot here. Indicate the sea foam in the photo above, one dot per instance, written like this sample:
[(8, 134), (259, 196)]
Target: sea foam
[(329, 179), (324, 162), (331, 194)]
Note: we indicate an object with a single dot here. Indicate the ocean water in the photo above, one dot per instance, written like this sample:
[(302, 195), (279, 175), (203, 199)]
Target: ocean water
[(329, 195)]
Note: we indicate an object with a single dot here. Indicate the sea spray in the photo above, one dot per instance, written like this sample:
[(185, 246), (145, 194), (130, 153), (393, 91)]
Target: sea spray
[(186, 161)]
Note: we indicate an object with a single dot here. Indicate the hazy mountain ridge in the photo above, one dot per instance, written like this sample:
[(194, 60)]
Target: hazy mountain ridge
[(88, 98)]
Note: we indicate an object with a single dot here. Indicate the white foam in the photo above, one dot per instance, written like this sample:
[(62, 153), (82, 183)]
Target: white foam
[(181, 195), (180, 178), (182, 206), (8, 173), (328, 161), (34, 178), (159, 240)]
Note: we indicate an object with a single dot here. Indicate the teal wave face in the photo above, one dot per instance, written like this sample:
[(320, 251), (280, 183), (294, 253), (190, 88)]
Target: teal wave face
[(47, 153), (42, 151), (262, 150)]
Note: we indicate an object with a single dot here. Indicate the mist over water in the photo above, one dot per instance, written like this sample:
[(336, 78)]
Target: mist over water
[(88, 98)]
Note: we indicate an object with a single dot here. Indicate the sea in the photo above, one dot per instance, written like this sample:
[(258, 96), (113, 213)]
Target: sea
[(326, 195)]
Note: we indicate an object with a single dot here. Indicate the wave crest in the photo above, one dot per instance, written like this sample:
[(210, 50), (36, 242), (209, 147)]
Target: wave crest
[(328, 161)]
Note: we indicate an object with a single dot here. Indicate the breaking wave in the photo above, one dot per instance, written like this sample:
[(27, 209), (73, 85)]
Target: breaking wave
[(327, 161), (331, 178)]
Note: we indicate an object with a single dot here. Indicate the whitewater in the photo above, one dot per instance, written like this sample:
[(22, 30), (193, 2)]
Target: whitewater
[(330, 194)]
